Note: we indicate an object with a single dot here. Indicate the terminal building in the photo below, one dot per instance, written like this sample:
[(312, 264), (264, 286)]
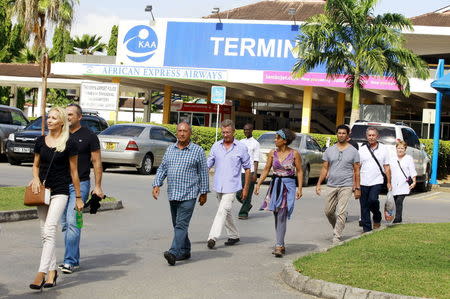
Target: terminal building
[(249, 51)]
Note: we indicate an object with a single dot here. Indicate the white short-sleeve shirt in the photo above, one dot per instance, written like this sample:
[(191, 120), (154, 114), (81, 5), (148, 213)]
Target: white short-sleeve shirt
[(253, 151), (399, 184), (370, 172)]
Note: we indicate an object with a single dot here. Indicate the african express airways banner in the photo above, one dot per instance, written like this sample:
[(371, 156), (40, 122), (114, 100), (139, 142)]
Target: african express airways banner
[(208, 50)]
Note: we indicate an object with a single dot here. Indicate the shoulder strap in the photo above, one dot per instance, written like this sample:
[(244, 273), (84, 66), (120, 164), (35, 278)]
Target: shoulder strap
[(401, 168), (49, 166), (375, 158)]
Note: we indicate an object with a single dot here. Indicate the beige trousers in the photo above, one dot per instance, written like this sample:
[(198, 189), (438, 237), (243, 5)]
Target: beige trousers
[(224, 217), (336, 204)]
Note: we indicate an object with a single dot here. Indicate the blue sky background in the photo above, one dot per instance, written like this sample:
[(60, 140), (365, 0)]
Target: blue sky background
[(97, 16)]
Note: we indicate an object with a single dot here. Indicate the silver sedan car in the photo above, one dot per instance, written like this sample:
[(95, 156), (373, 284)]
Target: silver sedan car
[(138, 145), (309, 150)]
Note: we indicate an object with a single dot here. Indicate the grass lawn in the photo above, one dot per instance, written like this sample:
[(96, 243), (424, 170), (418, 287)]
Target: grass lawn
[(408, 259), (11, 198)]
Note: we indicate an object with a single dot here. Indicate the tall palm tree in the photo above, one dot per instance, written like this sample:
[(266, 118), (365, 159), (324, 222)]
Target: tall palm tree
[(37, 15), (350, 40), (88, 44), (29, 55)]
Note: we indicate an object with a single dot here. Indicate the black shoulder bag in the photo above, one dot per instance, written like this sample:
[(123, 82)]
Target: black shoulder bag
[(409, 180), (379, 166)]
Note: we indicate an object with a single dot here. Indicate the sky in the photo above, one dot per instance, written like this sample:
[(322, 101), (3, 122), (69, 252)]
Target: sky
[(98, 16)]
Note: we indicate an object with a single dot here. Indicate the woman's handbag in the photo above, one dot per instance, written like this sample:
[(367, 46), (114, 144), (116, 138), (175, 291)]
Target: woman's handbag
[(409, 179), (43, 197)]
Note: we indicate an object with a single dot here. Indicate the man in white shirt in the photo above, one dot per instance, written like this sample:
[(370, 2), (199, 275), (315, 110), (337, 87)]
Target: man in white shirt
[(253, 151), (372, 177)]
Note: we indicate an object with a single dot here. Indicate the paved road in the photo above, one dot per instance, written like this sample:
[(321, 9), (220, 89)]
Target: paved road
[(122, 250)]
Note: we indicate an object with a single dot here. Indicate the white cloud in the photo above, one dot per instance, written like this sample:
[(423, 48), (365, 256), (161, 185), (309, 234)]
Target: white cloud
[(92, 23)]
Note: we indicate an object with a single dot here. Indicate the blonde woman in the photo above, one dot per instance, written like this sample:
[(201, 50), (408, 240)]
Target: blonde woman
[(402, 171), (57, 154)]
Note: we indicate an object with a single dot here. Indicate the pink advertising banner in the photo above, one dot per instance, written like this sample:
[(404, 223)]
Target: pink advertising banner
[(318, 79)]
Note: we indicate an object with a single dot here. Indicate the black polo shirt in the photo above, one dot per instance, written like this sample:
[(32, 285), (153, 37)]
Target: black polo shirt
[(87, 143)]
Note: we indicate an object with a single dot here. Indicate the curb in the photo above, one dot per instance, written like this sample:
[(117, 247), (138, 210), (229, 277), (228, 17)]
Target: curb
[(19, 215), (330, 290)]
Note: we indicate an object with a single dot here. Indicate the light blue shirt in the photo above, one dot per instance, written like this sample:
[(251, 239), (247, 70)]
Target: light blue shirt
[(227, 165)]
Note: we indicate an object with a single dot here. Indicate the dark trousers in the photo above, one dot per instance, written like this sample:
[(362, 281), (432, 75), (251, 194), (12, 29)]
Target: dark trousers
[(369, 203), (398, 207), (247, 204), (181, 216)]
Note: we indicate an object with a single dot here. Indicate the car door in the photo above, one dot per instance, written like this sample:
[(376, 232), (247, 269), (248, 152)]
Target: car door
[(158, 144), (10, 122), (315, 156)]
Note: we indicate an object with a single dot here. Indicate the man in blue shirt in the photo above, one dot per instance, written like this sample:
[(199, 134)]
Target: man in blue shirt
[(228, 156), (184, 165)]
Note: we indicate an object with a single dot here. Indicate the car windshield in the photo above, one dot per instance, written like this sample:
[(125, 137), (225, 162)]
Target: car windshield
[(123, 130), (35, 124), (267, 141), (387, 134)]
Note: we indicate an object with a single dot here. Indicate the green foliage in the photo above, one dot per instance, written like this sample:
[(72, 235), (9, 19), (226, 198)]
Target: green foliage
[(57, 97), (407, 259), (88, 44), (443, 158), (62, 45), (11, 41), (112, 44), (29, 55), (349, 39)]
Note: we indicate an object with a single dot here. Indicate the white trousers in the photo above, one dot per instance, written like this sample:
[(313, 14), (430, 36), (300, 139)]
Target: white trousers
[(223, 216), (49, 217)]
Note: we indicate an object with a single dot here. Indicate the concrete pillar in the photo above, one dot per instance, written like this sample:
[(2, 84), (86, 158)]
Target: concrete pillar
[(115, 115), (306, 109), (167, 102), (37, 109), (148, 106), (13, 100), (340, 109)]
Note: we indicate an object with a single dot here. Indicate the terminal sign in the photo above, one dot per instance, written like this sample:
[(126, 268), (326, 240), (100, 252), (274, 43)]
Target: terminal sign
[(218, 94)]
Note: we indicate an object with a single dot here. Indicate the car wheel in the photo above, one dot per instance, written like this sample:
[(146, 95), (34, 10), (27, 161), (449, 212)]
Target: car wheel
[(306, 176), (13, 161), (147, 165), (425, 185)]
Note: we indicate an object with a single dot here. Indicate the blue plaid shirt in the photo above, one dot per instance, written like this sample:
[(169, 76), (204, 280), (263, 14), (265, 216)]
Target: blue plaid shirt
[(186, 172)]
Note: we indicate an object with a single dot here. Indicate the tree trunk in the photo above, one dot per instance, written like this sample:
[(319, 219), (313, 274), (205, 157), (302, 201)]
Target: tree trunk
[(355, 103)]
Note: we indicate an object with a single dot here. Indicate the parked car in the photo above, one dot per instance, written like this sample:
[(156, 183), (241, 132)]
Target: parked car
[(389, 134), (308, 148), (20, 145), (138, 145), (11, 120)]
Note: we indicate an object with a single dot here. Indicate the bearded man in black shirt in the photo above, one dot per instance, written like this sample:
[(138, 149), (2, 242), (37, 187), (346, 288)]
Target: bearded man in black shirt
[(88, 150)]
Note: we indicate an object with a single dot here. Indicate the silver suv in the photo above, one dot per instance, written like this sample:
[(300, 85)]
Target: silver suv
[(389, 134), (11, 120)]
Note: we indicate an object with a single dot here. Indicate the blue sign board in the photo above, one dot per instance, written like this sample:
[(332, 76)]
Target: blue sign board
[(231, 46), (218, 95)]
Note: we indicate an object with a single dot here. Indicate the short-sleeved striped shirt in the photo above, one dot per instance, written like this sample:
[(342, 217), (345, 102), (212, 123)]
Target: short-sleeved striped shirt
[(186, 172)]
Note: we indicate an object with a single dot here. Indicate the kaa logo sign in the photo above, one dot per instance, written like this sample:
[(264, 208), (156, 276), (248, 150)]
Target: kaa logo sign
[(140, 43)]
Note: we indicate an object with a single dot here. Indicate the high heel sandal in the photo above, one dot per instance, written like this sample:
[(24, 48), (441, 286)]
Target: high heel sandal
[(52, 284), (37, 286)]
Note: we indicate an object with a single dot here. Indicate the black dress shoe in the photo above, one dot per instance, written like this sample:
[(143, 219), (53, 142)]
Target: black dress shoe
[(184, 257), (171, 259), (232, 241), (211, 243)]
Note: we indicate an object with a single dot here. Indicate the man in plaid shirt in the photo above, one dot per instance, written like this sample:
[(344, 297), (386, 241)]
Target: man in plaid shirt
[(184, 165)]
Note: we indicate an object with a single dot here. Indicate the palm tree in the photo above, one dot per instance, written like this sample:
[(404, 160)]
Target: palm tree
[(37, 15), (88, 44), (29, 55), (350, 40)]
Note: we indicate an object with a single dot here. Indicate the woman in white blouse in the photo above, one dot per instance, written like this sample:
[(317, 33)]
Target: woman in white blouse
[(402, 171)]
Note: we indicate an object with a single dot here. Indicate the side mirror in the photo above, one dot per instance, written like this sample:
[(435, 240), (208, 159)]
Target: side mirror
[(324, 148)]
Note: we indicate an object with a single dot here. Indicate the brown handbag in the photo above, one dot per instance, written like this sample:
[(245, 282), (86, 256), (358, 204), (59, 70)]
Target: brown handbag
[(33, 199), (43, 197)]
